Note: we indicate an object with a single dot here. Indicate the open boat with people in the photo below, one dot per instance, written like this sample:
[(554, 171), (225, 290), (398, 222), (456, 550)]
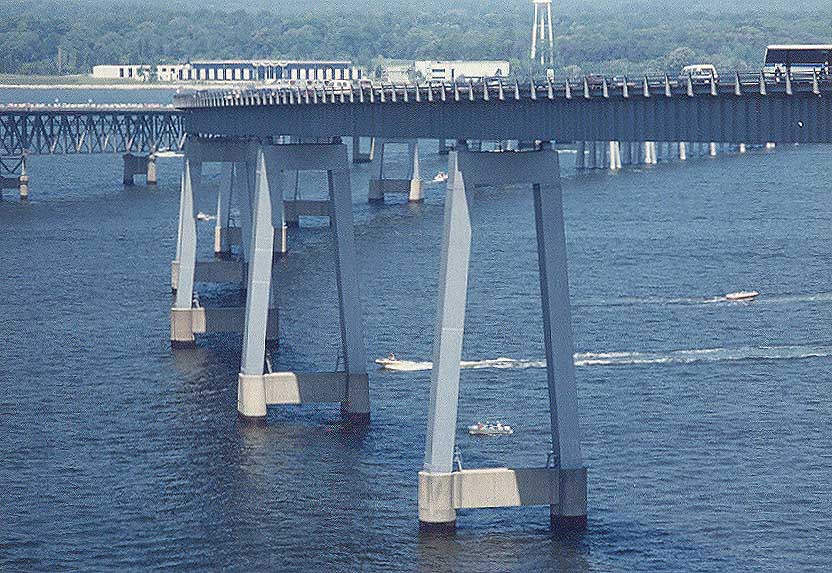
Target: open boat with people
[(441, 177), (490, 429), (743, 295)]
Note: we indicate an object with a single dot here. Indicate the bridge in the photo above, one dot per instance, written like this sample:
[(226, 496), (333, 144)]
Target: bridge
[(265, 136), (71, 129)]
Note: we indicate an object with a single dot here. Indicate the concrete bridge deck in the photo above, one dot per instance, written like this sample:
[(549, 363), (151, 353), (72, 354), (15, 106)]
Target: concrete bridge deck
[(743, 108)]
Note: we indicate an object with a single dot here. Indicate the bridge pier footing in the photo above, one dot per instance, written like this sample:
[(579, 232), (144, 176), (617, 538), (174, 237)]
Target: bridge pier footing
[(562, 484), (139, 165), (359, 156), (13, 176), (257, 386), (411, 185)]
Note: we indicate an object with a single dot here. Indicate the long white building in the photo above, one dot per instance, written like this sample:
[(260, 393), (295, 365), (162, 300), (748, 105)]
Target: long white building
[(235, 71), (449, 70)]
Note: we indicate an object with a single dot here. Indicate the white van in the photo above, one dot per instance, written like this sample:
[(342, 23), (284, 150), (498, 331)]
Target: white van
[(699, 72)]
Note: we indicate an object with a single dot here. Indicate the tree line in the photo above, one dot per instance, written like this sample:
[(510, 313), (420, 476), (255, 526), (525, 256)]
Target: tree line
[(49, 37)]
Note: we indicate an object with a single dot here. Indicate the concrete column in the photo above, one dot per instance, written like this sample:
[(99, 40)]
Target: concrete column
[(291, 216), (411, 186), (357, 155), (593, 155), (221, 243), (450, 323), (244, 179), (181, 316), (278, 216), (415, 193), (128, 160), (356, 408), (625, 151), (580, 157), (152, 178), (650, 153), (570, 512), (23, 180), (251, 389), (615, 155)]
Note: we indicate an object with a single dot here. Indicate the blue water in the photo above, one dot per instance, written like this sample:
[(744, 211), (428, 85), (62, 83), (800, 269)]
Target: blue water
[(706, 425)]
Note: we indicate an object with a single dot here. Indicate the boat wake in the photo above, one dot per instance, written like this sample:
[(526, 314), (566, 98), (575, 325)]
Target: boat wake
[(584, 359), (693, 301)]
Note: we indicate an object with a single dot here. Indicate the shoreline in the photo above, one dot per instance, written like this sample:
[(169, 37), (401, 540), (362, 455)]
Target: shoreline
[(19, 86)]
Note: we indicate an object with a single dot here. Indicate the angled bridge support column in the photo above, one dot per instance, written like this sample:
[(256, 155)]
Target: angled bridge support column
[(257, 388), (563, 486)]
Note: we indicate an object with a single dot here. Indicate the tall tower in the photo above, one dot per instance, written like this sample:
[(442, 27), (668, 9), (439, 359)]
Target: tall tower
[(543, 40)]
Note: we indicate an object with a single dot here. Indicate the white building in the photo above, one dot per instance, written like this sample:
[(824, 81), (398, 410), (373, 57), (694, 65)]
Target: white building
[(271, 71), (442, 70), (123, 72)]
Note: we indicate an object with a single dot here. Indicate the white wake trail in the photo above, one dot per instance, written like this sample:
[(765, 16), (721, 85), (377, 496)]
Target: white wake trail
[(584, 359)]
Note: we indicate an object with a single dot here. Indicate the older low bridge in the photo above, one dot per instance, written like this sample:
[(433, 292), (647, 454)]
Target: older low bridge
[(264, 137), (137, 132)]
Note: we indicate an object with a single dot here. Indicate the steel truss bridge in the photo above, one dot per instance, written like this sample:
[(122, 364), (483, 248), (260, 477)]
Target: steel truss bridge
[(27, 129)]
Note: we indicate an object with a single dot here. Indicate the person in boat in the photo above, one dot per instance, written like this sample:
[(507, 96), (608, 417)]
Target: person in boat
[(391, 357)]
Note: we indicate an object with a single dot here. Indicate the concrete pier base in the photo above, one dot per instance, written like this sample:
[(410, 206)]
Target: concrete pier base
[(185, 323), (444, 147), (359, 156), (220, 271), (564, 491), (410, 185), (139, 165), (296, 208), (13, 175)]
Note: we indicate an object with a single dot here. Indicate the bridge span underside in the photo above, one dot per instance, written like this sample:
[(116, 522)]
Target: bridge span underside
[(783, 114)]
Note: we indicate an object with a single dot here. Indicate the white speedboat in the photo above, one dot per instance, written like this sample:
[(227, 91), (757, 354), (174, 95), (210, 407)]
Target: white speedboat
[(490, 429), (389, 362), (204, 217), (441, 177), (743, 295)]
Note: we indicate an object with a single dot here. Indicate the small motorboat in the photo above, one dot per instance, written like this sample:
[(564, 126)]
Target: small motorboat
[(743, 295), (388, 362), (204, 217), (441, 177), (490, 429)]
